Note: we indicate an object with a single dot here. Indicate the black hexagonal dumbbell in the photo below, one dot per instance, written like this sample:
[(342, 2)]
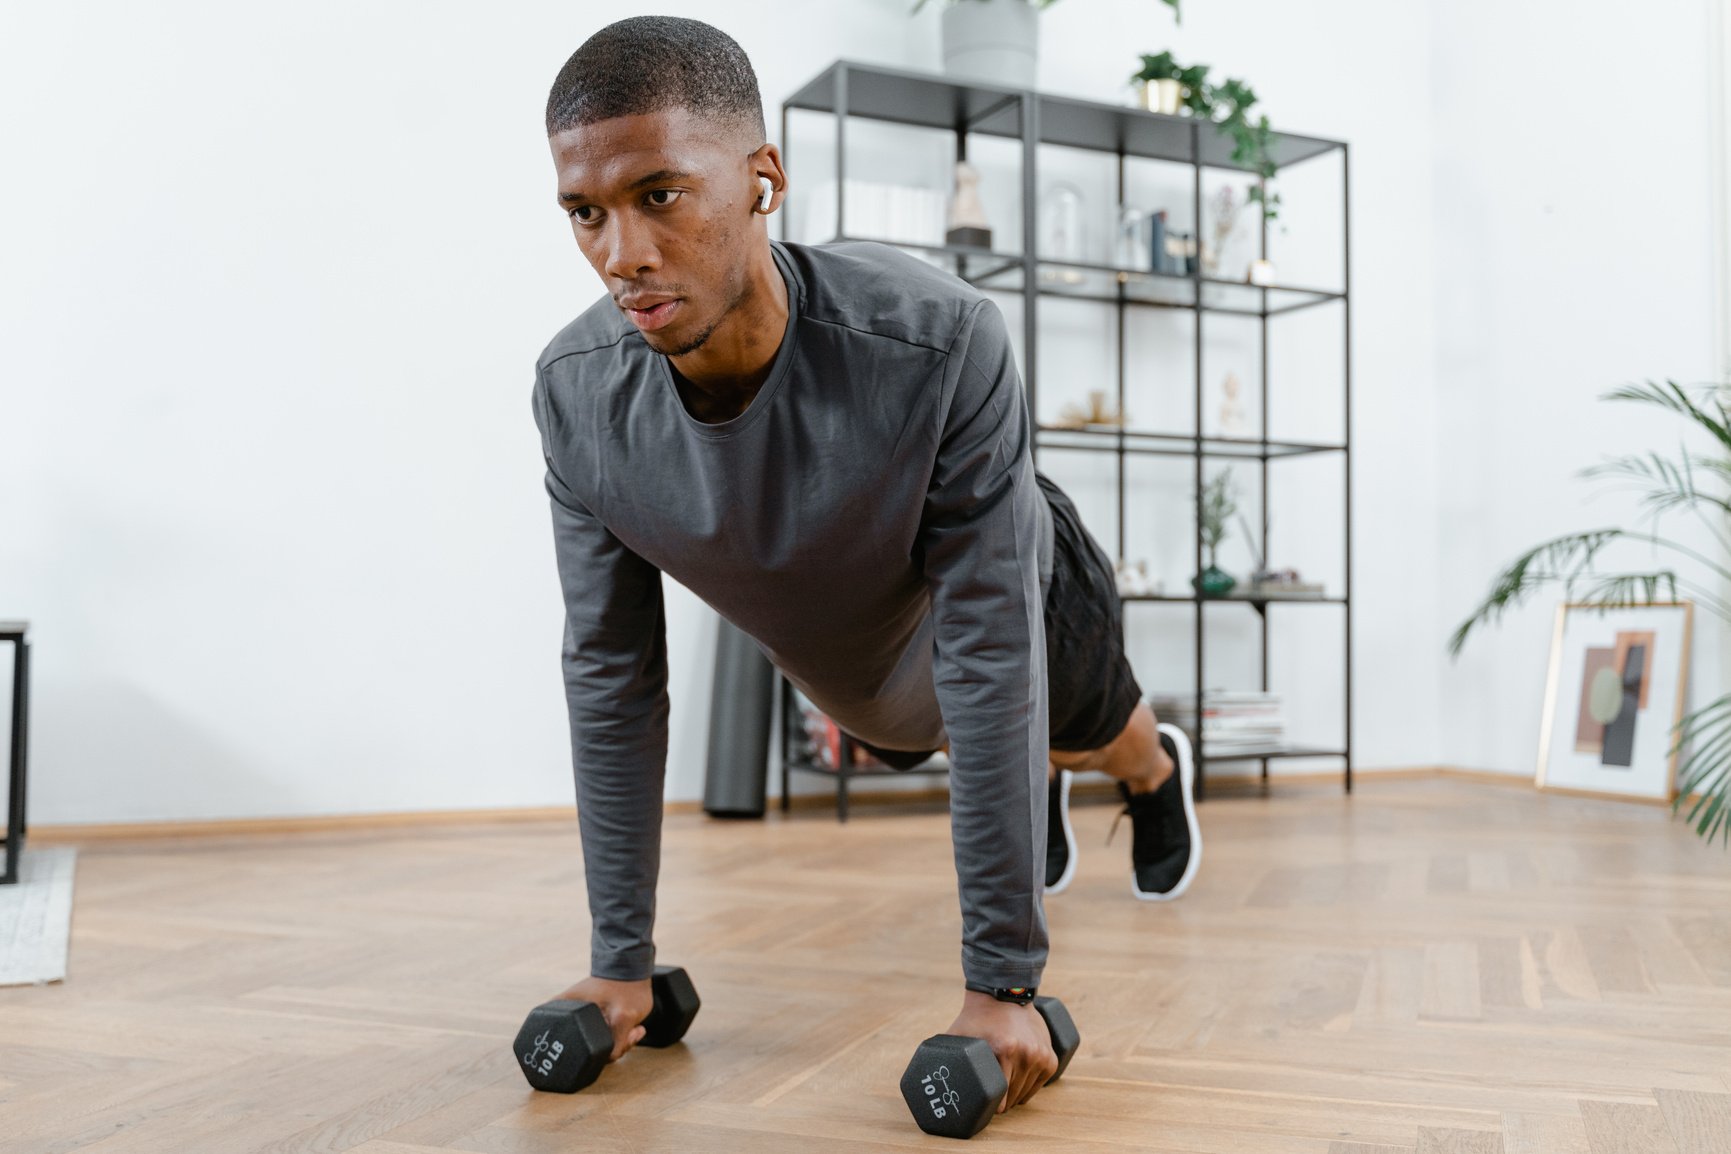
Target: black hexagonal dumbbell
[(953, 1084), (564, 1044)]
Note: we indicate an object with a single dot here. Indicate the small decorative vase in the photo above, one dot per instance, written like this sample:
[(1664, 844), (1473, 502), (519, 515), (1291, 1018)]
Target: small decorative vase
[(1214, 582), (1261, 272), (996, 41)]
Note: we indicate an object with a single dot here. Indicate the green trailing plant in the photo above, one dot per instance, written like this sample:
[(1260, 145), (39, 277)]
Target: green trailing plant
[(1693, 483), (1219, 504), (1160, 67), (1228, 104), (1177, 17)]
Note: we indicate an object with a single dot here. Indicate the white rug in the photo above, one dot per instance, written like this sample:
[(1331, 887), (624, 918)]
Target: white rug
[(36, 917)]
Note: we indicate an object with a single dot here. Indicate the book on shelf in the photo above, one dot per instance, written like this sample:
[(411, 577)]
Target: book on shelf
[(1275, 589), (1229, 719)]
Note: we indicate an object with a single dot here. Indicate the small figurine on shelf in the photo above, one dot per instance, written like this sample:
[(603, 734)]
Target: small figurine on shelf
[(1233, 420), (968, 224)]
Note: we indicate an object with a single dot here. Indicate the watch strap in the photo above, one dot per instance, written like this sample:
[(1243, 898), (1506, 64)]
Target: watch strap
[(1019, 995)]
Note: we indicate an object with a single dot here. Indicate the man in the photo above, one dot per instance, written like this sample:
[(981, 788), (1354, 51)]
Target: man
[(831, 447)]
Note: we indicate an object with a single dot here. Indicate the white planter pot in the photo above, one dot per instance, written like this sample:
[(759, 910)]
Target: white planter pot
[(996, 41), (1161, 96)]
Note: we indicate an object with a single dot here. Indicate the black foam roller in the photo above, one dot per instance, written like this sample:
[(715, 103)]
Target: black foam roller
[(740, 707)]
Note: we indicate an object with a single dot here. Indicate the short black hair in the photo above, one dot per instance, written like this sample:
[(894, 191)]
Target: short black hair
[(651, 63)]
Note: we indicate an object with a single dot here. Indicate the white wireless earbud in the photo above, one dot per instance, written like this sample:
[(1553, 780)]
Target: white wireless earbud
[(767, 195)]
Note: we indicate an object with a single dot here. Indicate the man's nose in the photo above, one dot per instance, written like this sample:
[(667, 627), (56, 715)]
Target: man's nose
[(630, 250)]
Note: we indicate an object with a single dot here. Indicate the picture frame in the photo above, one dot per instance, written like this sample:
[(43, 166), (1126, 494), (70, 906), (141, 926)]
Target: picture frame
[(1614, 695)]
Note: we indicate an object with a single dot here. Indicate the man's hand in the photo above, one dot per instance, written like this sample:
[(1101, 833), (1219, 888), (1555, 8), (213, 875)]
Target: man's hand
[(1019, 1039), (623, 1004)]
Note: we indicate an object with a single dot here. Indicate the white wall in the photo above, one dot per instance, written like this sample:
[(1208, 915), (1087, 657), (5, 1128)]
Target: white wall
[(275, 280), (274, 284), (1573, 254)]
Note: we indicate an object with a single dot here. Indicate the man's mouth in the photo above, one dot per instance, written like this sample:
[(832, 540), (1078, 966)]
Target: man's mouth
[(653, 316)]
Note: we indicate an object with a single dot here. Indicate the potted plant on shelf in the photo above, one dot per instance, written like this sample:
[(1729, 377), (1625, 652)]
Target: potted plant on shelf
[(1172, 88), (996, 41), (1689, 482), (1219, 503), (1160, 82)]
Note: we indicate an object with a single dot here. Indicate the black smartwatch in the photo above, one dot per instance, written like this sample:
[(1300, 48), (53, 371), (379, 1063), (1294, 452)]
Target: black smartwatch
[(1020, 995)]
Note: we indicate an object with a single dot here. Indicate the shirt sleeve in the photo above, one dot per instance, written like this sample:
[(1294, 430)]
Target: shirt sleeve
[(614, 657), (980, 545)]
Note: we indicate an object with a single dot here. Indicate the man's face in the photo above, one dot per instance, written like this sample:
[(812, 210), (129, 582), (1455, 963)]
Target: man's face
[(661, 206)]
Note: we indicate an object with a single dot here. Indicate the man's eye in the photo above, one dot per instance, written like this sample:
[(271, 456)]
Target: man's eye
[(585, 214), (662, 197)]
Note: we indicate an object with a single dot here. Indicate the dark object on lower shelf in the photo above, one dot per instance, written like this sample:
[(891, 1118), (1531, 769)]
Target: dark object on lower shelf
[(18, 633), (740, 705), (797, 756)]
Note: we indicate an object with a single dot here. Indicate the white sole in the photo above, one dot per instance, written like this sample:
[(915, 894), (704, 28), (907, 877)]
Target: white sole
[(1063, 881), (1187, 786)]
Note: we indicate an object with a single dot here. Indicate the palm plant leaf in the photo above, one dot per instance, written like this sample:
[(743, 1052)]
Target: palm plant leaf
[(1705, 773), (1558, 559), (1675, 397), (1670, 485), (1622, 590)]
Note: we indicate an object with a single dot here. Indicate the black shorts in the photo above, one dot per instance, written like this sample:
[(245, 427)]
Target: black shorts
[(1090, 690)]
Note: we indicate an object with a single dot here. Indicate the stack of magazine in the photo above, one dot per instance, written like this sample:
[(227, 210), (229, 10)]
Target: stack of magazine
[(1239, 722)]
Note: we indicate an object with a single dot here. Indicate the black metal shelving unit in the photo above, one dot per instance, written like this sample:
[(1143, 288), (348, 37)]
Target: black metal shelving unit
[(849, 89)]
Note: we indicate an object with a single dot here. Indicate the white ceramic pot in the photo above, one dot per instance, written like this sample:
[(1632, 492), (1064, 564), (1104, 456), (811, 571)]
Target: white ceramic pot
[(996, 41), (1161, 96)]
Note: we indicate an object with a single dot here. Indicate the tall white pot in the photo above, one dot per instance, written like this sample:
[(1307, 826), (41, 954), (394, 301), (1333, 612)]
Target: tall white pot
[(992, 40)]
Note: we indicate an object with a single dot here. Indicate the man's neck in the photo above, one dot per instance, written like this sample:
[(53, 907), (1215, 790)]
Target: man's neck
[(718, 381)]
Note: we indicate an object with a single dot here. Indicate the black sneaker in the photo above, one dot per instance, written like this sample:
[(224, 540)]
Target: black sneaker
[(1060, 838), (1165, 841)]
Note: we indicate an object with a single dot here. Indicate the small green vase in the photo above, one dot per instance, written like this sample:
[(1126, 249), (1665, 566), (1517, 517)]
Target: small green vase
[(1214, 582)]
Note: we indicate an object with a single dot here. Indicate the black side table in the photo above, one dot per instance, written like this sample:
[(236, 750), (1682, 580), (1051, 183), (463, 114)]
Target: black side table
[(18, 633)]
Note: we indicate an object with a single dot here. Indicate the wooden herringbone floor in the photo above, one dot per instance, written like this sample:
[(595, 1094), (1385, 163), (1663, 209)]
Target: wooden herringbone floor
[(1433, 965)]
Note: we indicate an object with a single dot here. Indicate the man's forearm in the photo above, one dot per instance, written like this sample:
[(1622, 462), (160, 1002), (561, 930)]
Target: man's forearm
[(616, 687), (619, 815)]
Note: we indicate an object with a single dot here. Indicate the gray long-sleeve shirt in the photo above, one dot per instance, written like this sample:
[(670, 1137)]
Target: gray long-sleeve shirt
[(871, 520)]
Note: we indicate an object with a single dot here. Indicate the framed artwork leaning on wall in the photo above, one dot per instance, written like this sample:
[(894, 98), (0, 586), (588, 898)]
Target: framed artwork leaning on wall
[(1617, 683)]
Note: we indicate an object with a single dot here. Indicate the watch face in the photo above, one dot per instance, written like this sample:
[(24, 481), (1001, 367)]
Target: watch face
[(1021, 995)]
